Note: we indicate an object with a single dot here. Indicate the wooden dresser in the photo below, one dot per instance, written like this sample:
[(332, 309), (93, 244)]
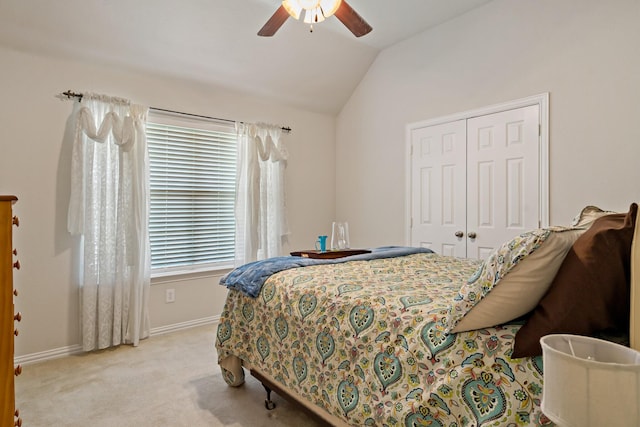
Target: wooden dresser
[(9, 416)]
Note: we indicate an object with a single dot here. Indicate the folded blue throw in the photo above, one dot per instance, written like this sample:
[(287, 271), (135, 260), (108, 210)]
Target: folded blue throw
[(250, 277)]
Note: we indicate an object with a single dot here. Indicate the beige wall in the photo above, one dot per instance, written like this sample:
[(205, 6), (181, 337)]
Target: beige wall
[(583, 52), (34, 165)]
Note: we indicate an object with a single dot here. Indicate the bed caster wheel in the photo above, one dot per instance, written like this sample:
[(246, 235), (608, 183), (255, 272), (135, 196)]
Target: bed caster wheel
[(268, 403)]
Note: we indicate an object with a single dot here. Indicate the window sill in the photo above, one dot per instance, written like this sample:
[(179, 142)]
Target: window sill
[(179, 275)]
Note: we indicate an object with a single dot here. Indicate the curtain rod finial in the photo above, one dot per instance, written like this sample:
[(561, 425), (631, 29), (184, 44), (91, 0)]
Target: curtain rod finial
[(71, 94)]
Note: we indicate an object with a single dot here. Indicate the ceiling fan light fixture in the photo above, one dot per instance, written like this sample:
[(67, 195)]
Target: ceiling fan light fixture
[(329, 7), (313, 16), (315, 10), (308, 4), (293, 8)]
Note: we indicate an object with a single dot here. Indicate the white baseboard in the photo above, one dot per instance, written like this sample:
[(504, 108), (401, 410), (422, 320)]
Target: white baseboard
[(55, 353), (70, 350), (184, 325)]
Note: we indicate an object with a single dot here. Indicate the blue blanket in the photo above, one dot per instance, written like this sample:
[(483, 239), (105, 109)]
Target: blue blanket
[(250, 277)]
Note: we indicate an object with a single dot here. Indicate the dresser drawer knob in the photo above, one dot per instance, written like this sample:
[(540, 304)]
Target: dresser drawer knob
[(16, 265), (15, 292), (16, 221), (18, 422), (17, 317), (17, 413), (15, 251), (18, 370), (16, 332)]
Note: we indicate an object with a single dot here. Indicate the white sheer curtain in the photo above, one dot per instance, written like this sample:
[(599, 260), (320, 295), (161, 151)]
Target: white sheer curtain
[(261, 221), (108, 211)]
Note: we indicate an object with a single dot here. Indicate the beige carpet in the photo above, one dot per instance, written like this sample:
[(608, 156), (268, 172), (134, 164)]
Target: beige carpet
[(169, 380)]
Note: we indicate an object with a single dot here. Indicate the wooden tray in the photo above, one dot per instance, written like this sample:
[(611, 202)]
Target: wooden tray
[(330, 254)]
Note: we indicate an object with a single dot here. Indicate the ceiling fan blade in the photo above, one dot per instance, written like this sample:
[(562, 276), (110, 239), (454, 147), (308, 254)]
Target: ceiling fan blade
[(274, 23), (350, 18)]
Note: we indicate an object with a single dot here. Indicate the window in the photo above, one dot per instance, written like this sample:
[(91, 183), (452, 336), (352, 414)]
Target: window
[(192, 186)]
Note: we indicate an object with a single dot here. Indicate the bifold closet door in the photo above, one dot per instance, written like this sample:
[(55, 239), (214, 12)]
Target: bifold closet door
[(474, 182)]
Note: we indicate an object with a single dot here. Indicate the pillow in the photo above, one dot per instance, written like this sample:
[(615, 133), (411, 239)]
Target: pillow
[(590, 293), (512, 280), (589, 214)]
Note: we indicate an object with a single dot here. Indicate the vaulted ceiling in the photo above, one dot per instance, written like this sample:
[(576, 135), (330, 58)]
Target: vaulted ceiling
[(215, 41)]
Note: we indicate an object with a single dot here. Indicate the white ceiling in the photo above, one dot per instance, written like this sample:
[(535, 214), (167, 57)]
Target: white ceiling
[(215, 41)]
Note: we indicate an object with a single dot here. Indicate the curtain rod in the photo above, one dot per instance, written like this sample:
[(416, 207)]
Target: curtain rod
[(70, 94)]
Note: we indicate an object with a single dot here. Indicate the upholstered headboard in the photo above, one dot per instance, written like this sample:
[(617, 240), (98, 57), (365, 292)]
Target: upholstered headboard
[(634, 317)]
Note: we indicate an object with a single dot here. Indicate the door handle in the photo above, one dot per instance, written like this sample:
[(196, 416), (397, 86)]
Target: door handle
[(459, 234), (472, 235)]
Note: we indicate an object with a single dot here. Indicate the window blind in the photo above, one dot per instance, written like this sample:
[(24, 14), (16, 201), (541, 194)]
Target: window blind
[(192, 185)]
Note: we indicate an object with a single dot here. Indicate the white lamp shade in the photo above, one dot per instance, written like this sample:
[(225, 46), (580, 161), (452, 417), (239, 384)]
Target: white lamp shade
[(590, 382)]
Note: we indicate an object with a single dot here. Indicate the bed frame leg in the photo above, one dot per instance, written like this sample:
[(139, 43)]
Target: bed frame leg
[(268, 403)]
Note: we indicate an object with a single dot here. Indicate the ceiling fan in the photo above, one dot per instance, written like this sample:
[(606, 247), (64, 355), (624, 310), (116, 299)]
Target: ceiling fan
[(316, 11)]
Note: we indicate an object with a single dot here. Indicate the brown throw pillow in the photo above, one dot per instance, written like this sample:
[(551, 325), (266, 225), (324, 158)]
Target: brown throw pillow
[(590, 292)]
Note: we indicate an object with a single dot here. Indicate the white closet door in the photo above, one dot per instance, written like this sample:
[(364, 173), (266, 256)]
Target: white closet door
[(438, 188), (503, 197)]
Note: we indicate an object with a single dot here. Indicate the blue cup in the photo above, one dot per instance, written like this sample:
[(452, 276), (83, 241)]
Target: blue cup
[(321, 244)]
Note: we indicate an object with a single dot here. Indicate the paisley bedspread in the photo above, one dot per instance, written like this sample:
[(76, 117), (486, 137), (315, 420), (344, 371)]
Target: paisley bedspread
[(365, 341)]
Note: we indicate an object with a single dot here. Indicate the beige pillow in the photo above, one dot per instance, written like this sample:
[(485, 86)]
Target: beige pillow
[(589, 214), (519, 288)]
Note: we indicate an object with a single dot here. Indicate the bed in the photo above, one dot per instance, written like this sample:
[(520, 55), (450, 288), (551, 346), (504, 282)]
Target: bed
[(420, 339)]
